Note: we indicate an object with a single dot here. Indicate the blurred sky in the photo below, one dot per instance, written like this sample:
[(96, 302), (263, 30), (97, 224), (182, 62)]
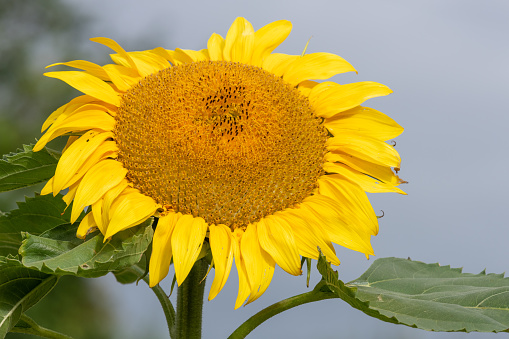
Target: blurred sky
[(447, 62)]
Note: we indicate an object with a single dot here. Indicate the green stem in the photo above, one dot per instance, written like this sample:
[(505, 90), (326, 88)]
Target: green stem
[(164, 300), (243, 330), (28, 326), (190, 302)]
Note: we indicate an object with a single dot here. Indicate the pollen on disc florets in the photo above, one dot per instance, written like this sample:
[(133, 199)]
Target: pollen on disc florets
[(224, 141)]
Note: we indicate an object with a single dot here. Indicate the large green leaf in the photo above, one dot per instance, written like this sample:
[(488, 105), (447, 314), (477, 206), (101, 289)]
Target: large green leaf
[(434, 297), (35, 216), (58, 251), (26, 168), (426, 296), (20, 289)]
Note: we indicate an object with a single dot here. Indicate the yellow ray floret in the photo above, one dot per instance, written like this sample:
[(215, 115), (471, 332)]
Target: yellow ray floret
[(259, 264), (87, 84), (162, 251), (364, 121), (329, 99), (76, 155), (101, 178), (276, 238), (186, 242), (267, 38), (130, 208), (221, 239)]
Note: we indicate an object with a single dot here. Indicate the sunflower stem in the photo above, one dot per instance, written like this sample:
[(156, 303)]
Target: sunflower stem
[(243, 330), (190, 302)]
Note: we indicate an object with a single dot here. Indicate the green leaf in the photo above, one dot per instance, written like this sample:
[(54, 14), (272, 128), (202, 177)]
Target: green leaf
[(126, 276), (434, 297), (331, 283), (131, 274), (427, 296), (58, 251), (35, 216), (20, 289), (27, 168)]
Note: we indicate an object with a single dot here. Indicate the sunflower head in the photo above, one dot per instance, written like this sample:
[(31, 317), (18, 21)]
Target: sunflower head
[(234, 145)]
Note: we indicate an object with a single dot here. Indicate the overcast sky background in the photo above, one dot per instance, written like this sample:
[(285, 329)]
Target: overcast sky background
[(447, 63)]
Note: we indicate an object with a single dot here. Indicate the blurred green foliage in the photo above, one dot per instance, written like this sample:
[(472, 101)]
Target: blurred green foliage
[(72, 308), (33, 34)]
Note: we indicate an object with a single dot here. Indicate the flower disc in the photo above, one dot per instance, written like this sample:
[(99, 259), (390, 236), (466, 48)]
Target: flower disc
[(224, 141)]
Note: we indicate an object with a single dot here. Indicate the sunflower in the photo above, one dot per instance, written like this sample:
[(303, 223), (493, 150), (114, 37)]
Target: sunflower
[(233, 145)]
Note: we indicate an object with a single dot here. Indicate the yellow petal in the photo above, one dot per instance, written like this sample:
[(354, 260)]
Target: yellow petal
[(380, 172), (78, 122), (97, 212), (195, 56), (177, 57), (305, 87), (89, 67), (278, 63), (163, 53), (129, 209), (82, 108), (160, 258), (316, 66), (366, 182), (364, 121), (74, 157), (107, 150), (186, 243), (309, 237), (67, 108), (205, 53), (69, 142), (180, 56), (259, 264), (354, 200), (148, 63), (48, 188), (108, 199), (71, 193), (276, 238), (215, 45), (329, 213), (267, 38), (220, 239), (244, 287), (87, 226), (239, 41), (365, 148), (123, 57), (329, 99), (101, 178), (123, 78), (88, 84)]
